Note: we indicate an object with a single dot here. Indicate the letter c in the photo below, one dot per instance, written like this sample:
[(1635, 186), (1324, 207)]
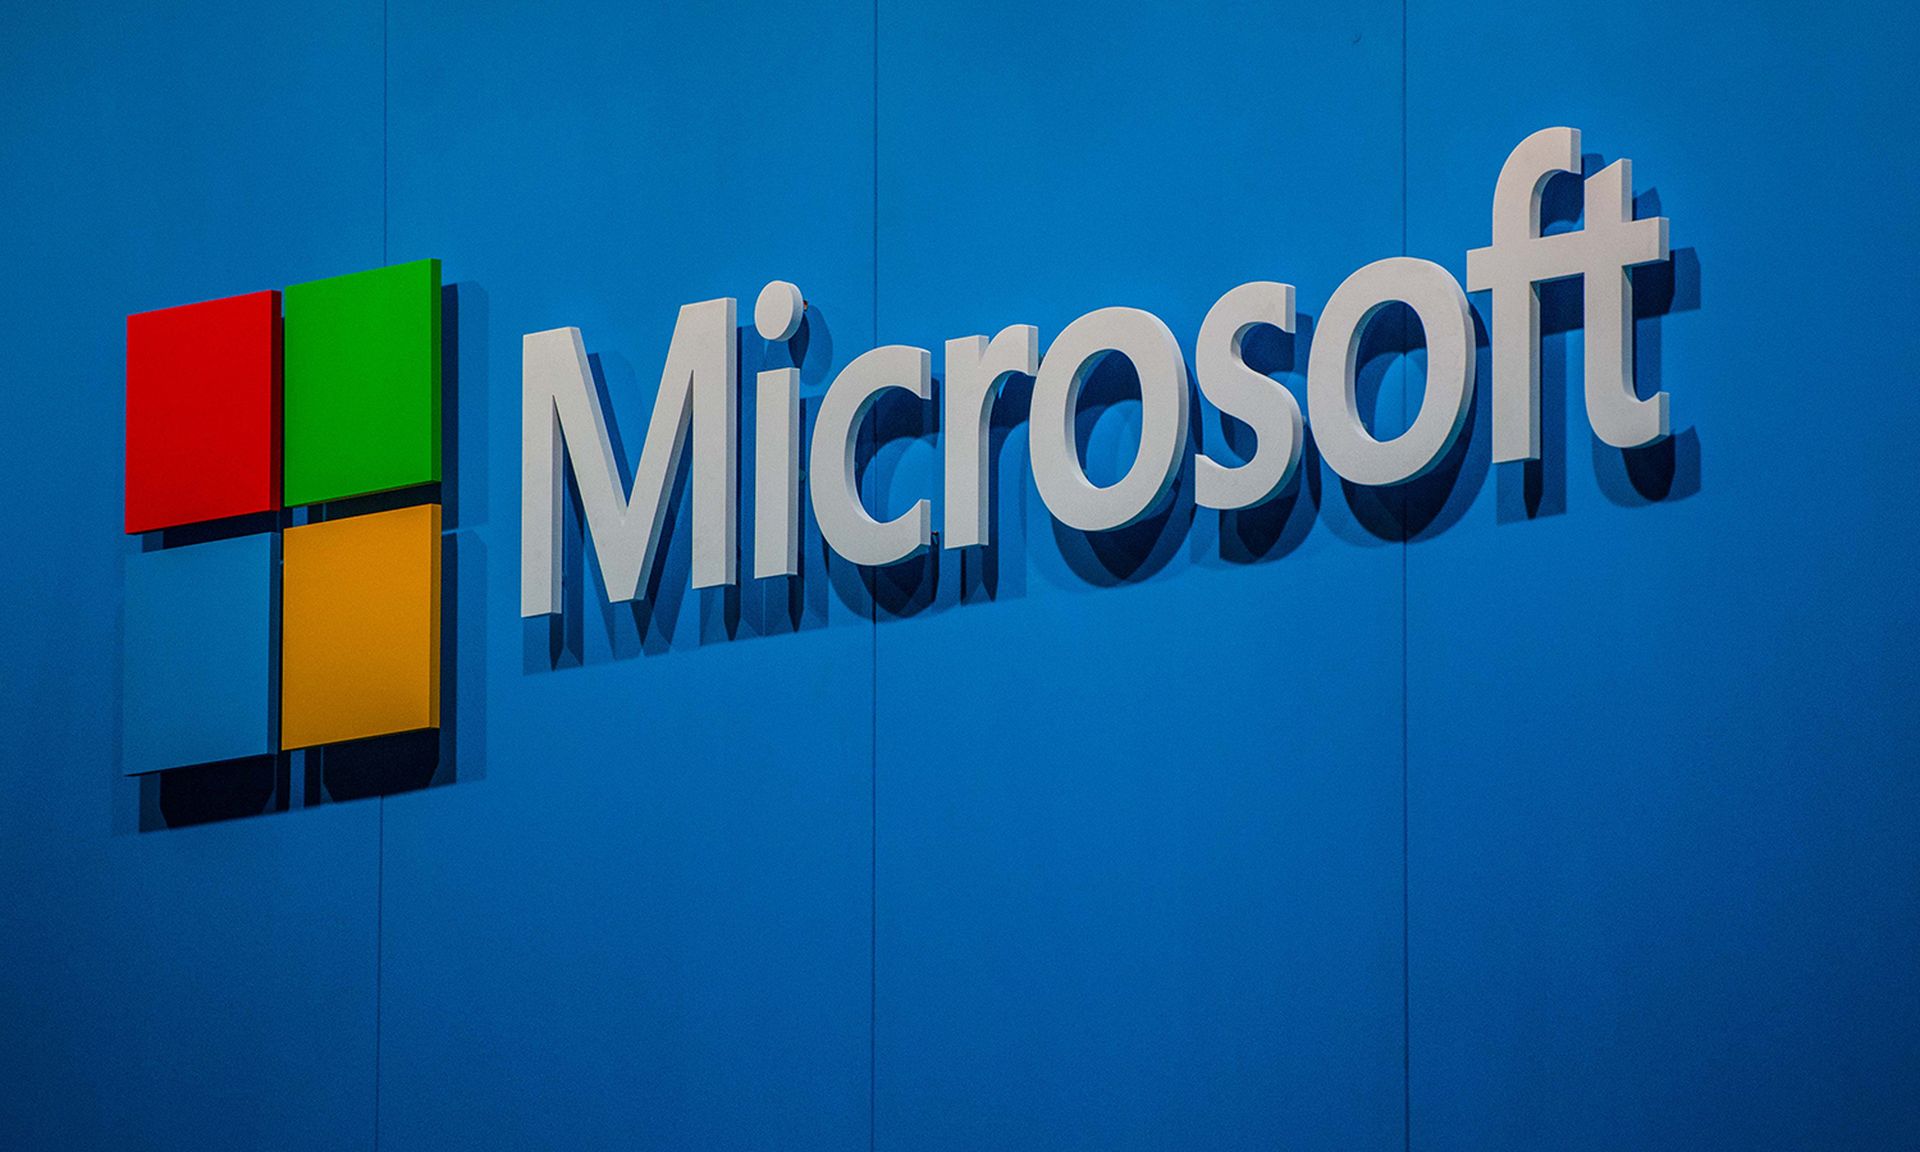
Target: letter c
[(846, 524)]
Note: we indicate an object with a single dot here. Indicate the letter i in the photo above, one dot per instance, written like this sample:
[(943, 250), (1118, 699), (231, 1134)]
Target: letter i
[(776, 455)]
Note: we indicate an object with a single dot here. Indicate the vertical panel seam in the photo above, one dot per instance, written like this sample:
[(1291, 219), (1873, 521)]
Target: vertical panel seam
[(383, 131), (1406, 816), (873, 694), (379, 941)]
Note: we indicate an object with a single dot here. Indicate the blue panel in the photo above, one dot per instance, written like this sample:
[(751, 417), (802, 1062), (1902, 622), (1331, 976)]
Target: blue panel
[(199, 653), (1584, 819), (1665, 876), (162, 986), (641, 915), (1139, 823)]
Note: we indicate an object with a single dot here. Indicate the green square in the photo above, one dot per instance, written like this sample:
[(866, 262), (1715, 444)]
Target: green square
[(362, 383)]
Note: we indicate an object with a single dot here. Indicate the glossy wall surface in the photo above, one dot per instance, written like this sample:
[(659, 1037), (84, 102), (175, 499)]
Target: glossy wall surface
[(1568, 806)]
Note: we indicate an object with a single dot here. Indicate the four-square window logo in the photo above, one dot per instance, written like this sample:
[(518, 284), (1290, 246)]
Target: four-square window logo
[(282, 450)]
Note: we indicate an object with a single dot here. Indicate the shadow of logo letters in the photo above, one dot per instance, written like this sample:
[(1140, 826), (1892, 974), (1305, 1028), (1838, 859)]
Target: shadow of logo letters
[(699, 388)]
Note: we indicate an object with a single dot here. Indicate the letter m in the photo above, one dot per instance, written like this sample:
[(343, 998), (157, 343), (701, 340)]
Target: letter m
[(561, 419)]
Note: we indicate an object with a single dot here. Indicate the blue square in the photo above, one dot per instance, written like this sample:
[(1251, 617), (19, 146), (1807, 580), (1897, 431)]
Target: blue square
[(199, 657)]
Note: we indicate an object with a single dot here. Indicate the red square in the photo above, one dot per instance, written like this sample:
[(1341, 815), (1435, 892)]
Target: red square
[(203, 411)]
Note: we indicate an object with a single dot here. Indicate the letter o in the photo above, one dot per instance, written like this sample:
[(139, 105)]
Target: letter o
[(1333, 411), (1149, 344)]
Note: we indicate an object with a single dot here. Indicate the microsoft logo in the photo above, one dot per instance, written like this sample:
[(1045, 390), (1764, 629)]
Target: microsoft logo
[(282, 450)]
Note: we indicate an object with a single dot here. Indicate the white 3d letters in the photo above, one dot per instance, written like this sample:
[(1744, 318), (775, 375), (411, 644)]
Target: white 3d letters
[(1615, 242), (699, 400), (1338, 428), (848, 527), (1519, 259), (1511, 269), (976, 367), (1072, 498), (1256, 400), (561, 419), (776, 473), (776, 451)]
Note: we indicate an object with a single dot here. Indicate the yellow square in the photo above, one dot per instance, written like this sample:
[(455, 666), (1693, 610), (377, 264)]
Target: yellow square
[(360, 632)]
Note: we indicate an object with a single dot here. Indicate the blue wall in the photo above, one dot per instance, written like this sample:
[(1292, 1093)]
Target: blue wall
[(1568, 807)]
